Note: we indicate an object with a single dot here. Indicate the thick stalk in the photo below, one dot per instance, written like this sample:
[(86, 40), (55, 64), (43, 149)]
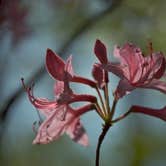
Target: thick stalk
[(104, 132), (100, 140)]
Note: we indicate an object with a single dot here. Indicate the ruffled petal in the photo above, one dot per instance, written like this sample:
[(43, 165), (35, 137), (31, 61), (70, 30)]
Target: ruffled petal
[(123, 88), (52, 128), (157, 85), (115, 68), (40, 103), (77, 132), (131, 56), (158, 113), (161, 66)]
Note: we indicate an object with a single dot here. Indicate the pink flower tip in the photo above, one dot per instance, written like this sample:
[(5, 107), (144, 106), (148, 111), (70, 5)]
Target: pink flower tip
[(100, 51)]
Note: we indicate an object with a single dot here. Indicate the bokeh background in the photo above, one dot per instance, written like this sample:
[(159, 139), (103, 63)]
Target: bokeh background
[(27, 29)]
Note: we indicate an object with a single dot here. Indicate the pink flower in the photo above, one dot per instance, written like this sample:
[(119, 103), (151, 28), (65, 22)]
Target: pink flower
[(138, 71), (101, 52), (53, 127), (158, 113), (62, 71), (60, 117), (98, 72), (62, 99)]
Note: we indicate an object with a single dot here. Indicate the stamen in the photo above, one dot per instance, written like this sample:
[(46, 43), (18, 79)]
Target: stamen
[(40, 118), (35, 126), (150, 47), (47, 132), (61, 115), (64, 113), (23, 84)]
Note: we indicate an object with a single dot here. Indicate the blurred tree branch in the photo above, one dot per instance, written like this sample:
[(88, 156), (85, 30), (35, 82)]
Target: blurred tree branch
[(41, 71)]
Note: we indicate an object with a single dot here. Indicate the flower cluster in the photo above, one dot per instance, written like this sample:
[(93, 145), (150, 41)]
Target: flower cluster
[(134, 69)]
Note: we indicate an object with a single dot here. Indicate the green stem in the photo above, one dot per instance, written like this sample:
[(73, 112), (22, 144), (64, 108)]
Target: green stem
[(121, 117), (106, 94), (113, 109), (99, 110), (101, 100)]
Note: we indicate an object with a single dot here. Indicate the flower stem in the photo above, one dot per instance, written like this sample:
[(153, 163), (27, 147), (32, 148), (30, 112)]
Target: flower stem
[(106, 127), (113, 108), (100, 140), (106, 94), (101, 100), (121, 117)]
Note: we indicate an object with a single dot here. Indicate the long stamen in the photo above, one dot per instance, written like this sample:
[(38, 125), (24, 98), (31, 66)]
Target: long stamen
[(99, 111), (34, 127), (150, 47), (40, 118), (102, 102), (106, 94), (23, 84), (47, 132), (113, 108)]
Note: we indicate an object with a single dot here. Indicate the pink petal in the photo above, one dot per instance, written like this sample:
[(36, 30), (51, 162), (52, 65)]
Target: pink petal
[(158, 113), (116, 52), (55, 65), (153, 67), (115, 68), (137, 69), (162, 66), (157, 85), (101, 52), (52, 128), (77, 132), (58, 88), (123, 88), (45, 106), (98, 74), (68, 67), (40, 103), (131, 60), (131, 56)]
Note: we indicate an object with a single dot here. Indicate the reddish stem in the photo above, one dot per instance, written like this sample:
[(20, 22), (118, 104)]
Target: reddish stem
[(100, 140)]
